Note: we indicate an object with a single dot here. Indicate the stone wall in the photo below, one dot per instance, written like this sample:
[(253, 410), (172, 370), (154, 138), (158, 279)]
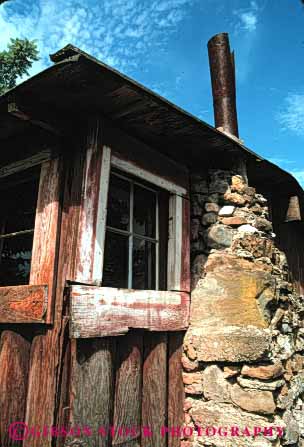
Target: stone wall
[(244, 351)]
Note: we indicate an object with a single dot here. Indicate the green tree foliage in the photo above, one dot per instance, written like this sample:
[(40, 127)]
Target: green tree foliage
[(16, 61)]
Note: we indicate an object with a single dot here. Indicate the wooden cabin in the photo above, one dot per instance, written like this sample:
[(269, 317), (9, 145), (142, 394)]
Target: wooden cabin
[(99, 179)]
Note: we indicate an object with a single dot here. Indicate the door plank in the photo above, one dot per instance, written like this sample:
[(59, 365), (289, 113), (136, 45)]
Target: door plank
[(154, 406), (176, 392), (127, 407), (14, 366), (92, 388)]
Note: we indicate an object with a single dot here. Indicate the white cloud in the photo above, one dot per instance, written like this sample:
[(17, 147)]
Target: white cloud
[(292, 116), (247, 18), (119, 32)]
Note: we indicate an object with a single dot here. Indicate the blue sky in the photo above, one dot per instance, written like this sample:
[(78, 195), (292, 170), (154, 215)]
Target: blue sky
[(163, 45)]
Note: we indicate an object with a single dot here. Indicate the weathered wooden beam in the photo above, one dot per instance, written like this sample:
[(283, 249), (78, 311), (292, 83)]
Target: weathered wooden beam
[(23, 304), (46, 352), (91, 232), (176, 393), (15, 110), (128, 389), (178, 275), (46, 235), (92, 389), (26, 163), (14, 365), (103, 311), (154, 392)]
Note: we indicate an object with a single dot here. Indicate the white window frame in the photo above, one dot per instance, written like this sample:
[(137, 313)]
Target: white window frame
[(177, 195)]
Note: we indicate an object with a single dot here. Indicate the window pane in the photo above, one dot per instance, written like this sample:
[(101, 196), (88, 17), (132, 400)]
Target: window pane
[(18, 208), (16, 260), (144, 211), (119, 203), (143, 264), (115, 272)]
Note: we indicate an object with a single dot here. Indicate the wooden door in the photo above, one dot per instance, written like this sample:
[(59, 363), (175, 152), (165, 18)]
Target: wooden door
[(127, 390)]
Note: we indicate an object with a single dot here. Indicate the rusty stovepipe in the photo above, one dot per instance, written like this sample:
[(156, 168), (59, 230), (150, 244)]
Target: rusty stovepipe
[(222, 72)]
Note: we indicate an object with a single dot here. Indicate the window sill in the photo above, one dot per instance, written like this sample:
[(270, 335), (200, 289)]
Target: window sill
[(106, 311), (23, 304)]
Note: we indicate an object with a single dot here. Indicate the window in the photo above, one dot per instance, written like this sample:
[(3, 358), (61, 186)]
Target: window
[(17, 220), (136, 234)]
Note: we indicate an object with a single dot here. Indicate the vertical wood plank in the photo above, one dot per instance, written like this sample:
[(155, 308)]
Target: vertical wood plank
[(128, 388), (176, 394), (45, 244), (14, 365), (46, 350), (185, 280), (92, 388), (63, 390), (175, 242), (154, 405), (93, 206)]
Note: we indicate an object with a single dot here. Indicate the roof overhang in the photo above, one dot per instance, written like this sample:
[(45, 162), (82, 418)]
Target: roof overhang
[(78, 85)]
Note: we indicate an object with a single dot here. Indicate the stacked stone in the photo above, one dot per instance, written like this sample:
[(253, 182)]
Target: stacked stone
[(244, 351)]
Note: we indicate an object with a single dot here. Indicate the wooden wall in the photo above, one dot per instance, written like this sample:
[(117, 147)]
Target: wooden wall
[(46, 379)]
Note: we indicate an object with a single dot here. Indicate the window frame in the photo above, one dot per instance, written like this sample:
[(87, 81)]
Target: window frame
[(35, 301), (131, 234), (178, 215)]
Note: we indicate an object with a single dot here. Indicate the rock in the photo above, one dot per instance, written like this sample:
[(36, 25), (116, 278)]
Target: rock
[(209, 218), (255, 401), (220, 186), (215, 387), (291, 435), (189, 365), (295, 390), (253, 243), (247, 229), (250, 191), (279, 314), (199, 185), (226, 211), (219, 236), (214, 414), (234, 221), (232, 292), (230, 343), (214, 198), (231, 371), (191, 352), (284, 347), (264, 372), (195, 226), (238, 184), (212, 207), (235, 198), (258, 385), (297, 363), (260, 199), (196, 210), (194, 389), (263, 224), (190, 378)]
